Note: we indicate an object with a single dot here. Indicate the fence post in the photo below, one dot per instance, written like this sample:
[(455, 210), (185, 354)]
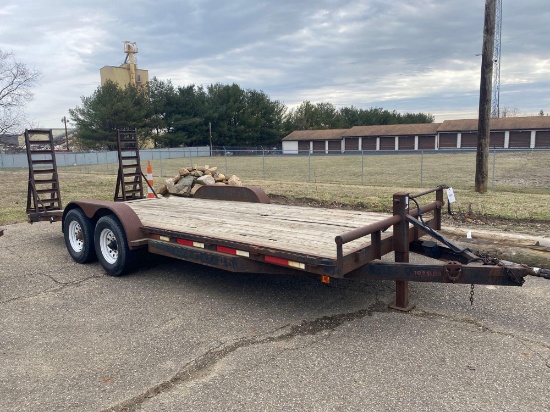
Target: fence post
[(309, 166), (494, 161), (225, 156), (421, 168), (185, 155), (263, 162), (362, 167), (160, 161)]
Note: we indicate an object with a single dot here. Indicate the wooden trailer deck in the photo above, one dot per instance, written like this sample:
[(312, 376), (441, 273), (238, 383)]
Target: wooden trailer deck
[(245, 237), (296, 229)]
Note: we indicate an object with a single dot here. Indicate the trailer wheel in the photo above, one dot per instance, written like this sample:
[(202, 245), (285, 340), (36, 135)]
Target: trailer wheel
[(112, 246), (79, 236)]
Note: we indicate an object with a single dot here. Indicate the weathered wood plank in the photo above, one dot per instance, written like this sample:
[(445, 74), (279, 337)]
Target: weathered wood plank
[(290, 228)]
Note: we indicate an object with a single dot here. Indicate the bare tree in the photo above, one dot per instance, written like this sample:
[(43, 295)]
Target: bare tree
[(509, 111), (16, 83)]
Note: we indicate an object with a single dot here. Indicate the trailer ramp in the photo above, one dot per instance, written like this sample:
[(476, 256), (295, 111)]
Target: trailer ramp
[(129, 184), (43, 195)]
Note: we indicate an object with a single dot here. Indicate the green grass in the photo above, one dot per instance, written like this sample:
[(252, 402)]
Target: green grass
[(521, 181)]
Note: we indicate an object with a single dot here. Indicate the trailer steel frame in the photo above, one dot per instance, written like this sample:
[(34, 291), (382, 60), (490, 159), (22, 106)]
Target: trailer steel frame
[(361, 263)]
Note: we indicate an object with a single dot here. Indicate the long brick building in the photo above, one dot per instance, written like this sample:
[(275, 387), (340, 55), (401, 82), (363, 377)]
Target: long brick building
[(506, 133)]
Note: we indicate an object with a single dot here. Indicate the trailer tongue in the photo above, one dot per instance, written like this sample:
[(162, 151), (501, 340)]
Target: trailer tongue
[(278, 239)]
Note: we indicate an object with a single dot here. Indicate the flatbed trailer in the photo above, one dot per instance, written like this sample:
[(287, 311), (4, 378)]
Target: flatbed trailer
[(278, 239)]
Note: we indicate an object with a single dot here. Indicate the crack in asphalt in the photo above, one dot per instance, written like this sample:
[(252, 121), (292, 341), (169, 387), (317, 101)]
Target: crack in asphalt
[(425, 314), (281, 351), (524, 341), (200, 366), (60, 286)]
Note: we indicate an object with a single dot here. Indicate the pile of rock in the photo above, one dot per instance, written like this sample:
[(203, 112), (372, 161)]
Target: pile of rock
[(188, 181)]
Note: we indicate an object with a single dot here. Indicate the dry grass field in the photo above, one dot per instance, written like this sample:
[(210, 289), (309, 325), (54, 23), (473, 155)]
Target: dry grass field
[(521, 181), (524, 171)]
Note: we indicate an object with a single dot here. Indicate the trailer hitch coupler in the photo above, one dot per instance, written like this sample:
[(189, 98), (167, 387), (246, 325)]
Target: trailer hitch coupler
[(453, 270)]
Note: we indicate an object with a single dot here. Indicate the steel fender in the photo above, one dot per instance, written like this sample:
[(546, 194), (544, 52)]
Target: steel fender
[(94, 209), (251, 194)]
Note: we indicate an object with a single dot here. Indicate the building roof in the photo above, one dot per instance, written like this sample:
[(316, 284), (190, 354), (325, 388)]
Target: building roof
[(502, 123), (330, 134), (418, 129), (393, 130)]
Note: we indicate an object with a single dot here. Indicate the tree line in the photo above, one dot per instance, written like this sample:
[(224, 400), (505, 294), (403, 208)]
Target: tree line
[(166, 115)]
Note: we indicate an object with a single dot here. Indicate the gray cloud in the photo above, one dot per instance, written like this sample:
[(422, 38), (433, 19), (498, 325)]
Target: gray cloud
[(404, 55)]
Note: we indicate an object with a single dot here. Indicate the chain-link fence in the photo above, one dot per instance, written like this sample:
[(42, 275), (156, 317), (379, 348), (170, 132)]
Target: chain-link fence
[(521, 170), (524, 170)]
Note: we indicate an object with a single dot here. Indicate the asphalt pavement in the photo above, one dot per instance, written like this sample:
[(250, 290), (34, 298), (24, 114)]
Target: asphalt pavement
[(175, 336)]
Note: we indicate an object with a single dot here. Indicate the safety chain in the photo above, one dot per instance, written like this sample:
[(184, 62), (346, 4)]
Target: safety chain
[(472, 295), (487, 259)]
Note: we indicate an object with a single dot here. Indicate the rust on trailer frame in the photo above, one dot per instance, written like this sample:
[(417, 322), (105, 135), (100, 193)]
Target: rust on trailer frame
[(313, 264), (379, 247), (502, 274), (215, 259), (320, 265), (94, 209), (401, 249), (437, 189), (400, 240), (47, 216), (362, 262)]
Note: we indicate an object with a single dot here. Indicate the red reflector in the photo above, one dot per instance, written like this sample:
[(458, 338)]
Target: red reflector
[(226, 250), (185, 242), (279, 261)]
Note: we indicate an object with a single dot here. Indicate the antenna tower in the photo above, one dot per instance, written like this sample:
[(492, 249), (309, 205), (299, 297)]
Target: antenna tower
[(495, 104)]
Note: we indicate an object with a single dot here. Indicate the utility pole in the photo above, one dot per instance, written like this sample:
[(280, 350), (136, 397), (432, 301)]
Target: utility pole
[(64, 120), (484, 126)]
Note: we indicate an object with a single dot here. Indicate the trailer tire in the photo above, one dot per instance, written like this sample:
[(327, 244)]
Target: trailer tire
[(79, 236), (112, 246)]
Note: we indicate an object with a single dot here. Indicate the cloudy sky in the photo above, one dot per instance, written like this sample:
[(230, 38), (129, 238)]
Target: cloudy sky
[(414, 55)]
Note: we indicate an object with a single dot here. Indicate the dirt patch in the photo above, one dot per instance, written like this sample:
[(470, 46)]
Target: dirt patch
[(524, 226)]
